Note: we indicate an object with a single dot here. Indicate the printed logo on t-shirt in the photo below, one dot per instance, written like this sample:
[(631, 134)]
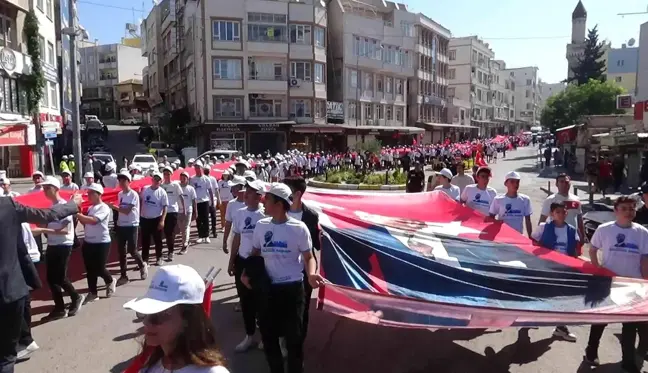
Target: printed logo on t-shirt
[(480, 201), (510, 211), (247, 224), (148, 201), (274, 246), (621, 245)]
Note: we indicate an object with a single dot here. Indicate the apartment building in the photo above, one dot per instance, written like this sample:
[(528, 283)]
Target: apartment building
[(428, 88), (373, 51), (18, 156), (527, 95), (470, 78), (503, 98), (50, 108), (622, 67), (546, 90), (102, 68)]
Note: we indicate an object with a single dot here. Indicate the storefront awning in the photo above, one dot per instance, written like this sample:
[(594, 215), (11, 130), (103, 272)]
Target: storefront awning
[(318, 128), (445, 125)]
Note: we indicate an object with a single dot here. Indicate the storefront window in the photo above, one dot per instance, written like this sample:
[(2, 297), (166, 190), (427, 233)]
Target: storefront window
[(13, 97), (227, 141)]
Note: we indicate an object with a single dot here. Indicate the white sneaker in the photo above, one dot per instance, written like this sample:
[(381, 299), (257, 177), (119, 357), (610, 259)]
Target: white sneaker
[(200, 240), (282, 346), (27, 351), (564, 333), (207, 240), (247, 342)]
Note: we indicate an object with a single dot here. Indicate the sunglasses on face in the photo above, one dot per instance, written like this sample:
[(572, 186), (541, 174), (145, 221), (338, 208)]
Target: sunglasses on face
[(158, 318)]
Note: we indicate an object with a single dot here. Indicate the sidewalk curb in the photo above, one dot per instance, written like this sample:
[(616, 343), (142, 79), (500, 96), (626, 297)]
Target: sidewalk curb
[(325, 185)]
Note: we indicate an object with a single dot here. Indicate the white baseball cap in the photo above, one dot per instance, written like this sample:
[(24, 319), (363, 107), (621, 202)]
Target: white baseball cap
[(198, 163), (168, 168), (445, 172), (88, 174), (52, 181), (184, 173), (95, 188), (156, 174), (38, 173), (110, 166), (257, 185), (171, 285), (66, 172), (281, 190), (125, 175), (237, 180), (5, 181), (249, 174), (191, 160), (512, 175)]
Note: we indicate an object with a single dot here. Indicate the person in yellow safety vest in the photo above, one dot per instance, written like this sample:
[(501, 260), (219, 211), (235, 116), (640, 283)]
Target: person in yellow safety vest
[(72, 164), (63, 166)]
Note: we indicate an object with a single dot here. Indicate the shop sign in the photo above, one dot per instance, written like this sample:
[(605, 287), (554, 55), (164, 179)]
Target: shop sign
[(12, 135), (8, 59), (226, 127), (606, 141), (334, 110), (237, 127), (628, 139), (270, 127)]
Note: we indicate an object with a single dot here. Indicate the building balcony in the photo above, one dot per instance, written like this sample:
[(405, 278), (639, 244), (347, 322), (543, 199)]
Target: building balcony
[(301, 52), (272, 48), (271, 86), (442, 58), (108, 65), (430, 100), (301, 88)]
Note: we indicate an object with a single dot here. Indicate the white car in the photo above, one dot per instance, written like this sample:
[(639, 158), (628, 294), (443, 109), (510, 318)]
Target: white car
[(145, 161), (131, 121)]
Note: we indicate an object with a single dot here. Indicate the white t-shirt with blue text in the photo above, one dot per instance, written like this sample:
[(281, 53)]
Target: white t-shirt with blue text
[(130, 198), (478, 199), (243, 224), (282, 246), (61, 239), (153, 202), (511, 211), (98, 233), (622, 248)]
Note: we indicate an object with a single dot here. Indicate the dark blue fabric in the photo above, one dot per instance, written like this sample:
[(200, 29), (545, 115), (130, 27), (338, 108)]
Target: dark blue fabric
[(548, 239)]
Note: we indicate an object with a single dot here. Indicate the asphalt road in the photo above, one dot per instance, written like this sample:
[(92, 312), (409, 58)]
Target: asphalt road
[(103, 337)]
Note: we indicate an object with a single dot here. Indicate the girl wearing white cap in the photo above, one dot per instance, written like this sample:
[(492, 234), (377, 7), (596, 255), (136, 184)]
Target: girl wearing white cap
[(225, 193), (175, 324), (96, 244)]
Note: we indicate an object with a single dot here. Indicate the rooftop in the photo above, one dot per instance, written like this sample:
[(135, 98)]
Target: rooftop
[(579, 11)]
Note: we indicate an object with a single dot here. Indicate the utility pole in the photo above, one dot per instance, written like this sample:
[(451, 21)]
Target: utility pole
[(76, 123)]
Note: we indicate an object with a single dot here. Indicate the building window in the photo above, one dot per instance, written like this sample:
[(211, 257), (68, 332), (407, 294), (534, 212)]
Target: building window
[(381, 111), (528, 82), (353, 74), (53, 92), (14, 96), (388, 113), (50, 54), (618, 79), (451, 91), (399, 114), (264, 107), (49, 10), (399, 87), (267, 27), (620, 62), (5, 31), (368, 111), (227, 107), (368, 48), (39, 4), (379, 83), (407, 28), (319, 73), (226, 69), (300, 108), (300, 70), (368, 82), (451, 73), (226, 30), (452, 55), (529, 106), (45, 99), (41, 48), (320, 37), (320, 109), (265, 69), (527, 93), (300, 34), (91, 76)]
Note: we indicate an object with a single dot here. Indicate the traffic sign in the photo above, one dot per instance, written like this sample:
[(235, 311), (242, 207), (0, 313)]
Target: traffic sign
[(49, 142), (50, 135)]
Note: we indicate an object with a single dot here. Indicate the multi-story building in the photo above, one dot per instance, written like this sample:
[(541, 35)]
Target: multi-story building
[(527, 95), (102, 68), (263, 69), (428, 88), (152, 73), (372, 49), (50, 108), (503, 98), (546, 90), (470, 79), (622, 67), (18, 156)]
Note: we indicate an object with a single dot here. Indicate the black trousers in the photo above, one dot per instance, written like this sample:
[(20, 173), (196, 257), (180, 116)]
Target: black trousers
[(629, 333), (150, 229), (56, 260), (25, 330), (170, 223), (308, 292), (246, 296), (202, 219), (127, 240), (11, 315), (281, 313), (95, 256), (212, 218)]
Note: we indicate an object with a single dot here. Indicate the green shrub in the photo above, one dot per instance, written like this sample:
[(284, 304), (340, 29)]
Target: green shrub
[(351, 177), (374, 179)]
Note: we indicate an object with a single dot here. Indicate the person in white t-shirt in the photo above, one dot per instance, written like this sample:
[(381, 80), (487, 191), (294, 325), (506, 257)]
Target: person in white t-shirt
[(571, 201), (66, 177), (155, 204), (214, 203), (110, 180), (37, 178), (189, 214), (225, 193), (6, 189), (479, 196), (88, 179), (512, 208), (96, 244), (127, 226), (285, 245), (243, 224), (204, 194), (177, 329), (623, 249), (236, 185), (445, 178), (60, 238), (176, 206), (461, 179)]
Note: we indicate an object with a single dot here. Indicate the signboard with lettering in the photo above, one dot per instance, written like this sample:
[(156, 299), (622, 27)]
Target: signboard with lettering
[(8, 59), (334, 112), (236, 127), (13, 136), (627, 139), (624, 102)]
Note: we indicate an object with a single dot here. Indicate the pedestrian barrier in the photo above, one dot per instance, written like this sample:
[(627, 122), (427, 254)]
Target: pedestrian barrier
[(325, 185)]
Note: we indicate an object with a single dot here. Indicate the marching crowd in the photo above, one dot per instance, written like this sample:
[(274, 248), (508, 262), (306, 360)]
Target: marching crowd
[(270, 235)]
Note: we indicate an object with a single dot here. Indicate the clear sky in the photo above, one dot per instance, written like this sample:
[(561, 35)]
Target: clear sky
[(522, 33)]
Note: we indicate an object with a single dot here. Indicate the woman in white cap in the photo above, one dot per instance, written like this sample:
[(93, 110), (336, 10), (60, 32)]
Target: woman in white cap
[(286, 247), (445, 178), (155, 203), (96, 245), (88, 177), (175, 324), (6, 188), (60, 238), (189, 214)]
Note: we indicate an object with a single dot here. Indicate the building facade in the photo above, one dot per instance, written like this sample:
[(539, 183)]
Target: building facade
[(526, 95), (502, 89), (102, 68), (428, 88), (576, 47), (622, 67), (546, 90), (373, 52)]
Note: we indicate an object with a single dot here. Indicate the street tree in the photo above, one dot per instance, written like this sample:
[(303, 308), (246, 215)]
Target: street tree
[(591, 64), (569, 106)]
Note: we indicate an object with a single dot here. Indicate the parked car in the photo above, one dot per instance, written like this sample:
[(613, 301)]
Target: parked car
[(104, 157), (130, 121), (145, 161), (145, 134), (228, 154)]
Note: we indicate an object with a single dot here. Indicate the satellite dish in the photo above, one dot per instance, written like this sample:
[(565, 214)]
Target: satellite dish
[(631, 42)]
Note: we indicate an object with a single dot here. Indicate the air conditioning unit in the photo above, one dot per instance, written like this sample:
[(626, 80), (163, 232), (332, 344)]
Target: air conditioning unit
[(294, 82), (370, 122)]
